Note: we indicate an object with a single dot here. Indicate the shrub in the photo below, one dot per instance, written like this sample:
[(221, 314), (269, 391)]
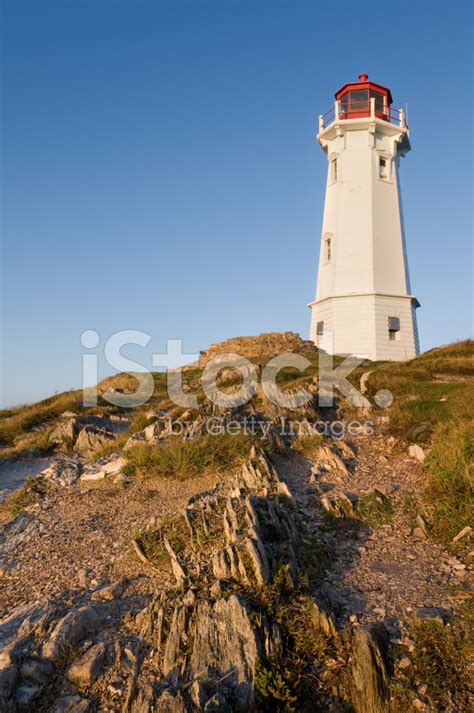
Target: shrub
[(273, 688)]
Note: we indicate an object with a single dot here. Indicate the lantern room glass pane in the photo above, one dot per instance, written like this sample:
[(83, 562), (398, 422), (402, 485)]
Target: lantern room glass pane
[(359, 99), (379, 101)]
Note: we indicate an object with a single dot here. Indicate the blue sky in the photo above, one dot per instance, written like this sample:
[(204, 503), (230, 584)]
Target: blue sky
[(160, 169)]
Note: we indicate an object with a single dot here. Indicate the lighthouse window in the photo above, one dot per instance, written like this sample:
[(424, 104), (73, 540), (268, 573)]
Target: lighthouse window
[(320, 329), (359, 99), (334, 170), (327, 249), (394, 328), (379, 101), (383, 168)]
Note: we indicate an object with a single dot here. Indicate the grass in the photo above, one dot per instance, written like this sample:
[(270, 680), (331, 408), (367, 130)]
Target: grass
[(455, 359), (442, 373), (151, 542), (422, 401), (308, 446), (20, 422), (450, 488), (290, 377), (21, 498), (183, 459), (440, 660), (32, 424), (15, 423), (433, 404), (176, 530), (374, 509), (292, 681), (139, 422)]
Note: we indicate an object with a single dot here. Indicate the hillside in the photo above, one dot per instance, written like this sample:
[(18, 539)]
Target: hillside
[(172, 559)]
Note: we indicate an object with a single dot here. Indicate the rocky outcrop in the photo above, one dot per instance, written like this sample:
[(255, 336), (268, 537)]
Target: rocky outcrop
[(209, 634), (263, 346), (71, 704), (87, 433), (91, 438), (34, 639), (71, 629), (369, 685), (103, 468), (86, 669), (225, 646), (63, 471)]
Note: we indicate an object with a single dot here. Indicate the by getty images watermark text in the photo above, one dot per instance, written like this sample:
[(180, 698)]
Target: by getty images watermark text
[(219, 426)]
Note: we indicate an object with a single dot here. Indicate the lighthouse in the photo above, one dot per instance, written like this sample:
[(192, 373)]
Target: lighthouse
[(364, 305)]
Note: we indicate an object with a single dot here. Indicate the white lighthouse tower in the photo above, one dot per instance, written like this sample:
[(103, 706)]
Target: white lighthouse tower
[(364, 304)]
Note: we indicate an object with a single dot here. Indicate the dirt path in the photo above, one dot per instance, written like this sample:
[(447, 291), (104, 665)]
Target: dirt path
[(380, 571), (79, 536)]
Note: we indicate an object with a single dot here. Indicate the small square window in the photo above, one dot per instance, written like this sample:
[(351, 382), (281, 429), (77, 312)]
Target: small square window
[(383, 168), (394, 329), (320, 329)]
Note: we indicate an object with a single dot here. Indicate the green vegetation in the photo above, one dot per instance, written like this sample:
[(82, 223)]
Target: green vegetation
[(292, 378), (183, 459), (292, 682), (140, 422), (374, 509), (440, 660), (450, 489), (151, 541), (20, 499), (434, 404), (273, 688), (434, 387), (15, 423), (21, 422), (410, 508), (454, 359), (176, 531), (308, 446)]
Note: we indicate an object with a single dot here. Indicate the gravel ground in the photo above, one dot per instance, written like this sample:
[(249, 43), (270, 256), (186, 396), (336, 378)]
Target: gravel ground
[(86, 531), (380, 572)]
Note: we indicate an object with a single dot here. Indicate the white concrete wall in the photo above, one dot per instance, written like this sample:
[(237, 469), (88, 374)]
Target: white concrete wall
[(350, 320), (406, 346), (359, 326)]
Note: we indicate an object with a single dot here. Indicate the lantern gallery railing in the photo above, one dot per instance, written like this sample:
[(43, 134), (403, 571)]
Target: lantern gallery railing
[(359, 109)]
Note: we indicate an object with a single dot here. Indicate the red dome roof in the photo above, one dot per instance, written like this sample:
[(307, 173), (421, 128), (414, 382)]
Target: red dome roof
[(363, 83)]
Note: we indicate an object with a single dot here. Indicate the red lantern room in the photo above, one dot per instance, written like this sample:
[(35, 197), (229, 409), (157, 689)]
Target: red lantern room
[(354, 99), (363, 99)]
